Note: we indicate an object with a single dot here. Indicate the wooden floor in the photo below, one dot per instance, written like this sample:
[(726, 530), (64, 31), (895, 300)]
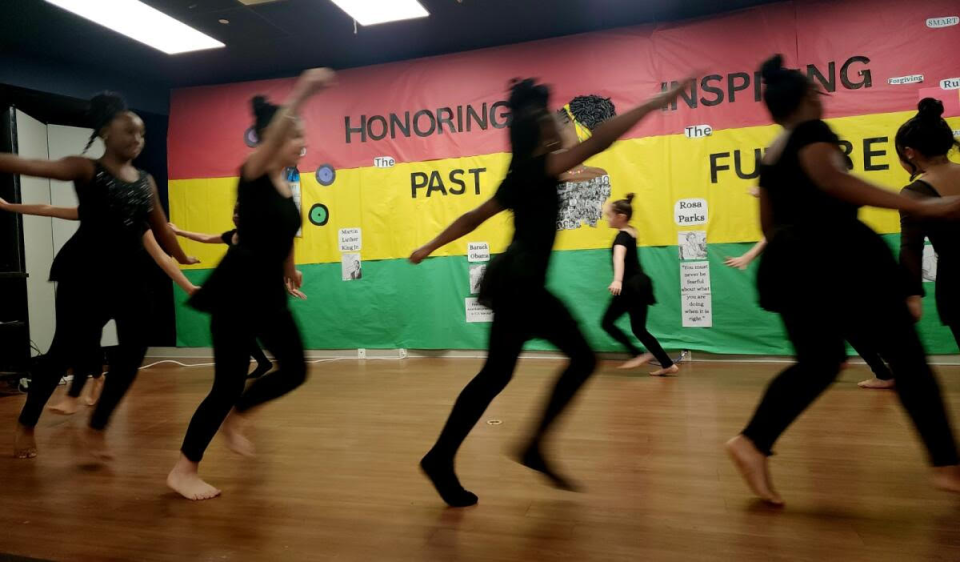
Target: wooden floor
[(336, 478)]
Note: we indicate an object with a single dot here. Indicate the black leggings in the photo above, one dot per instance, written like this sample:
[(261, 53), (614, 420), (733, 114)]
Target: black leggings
[(620, 305), (82, 309), (871, 355), (234, 335), (818, 338), (541, 315)]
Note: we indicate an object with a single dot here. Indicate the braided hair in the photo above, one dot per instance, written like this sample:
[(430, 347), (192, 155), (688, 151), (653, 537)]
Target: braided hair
[(104, 108), (926, 132)]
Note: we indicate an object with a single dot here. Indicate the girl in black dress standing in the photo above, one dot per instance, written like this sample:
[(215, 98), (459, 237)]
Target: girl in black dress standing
[(118, 203), (245, 294), (808, 211), (230, 238), (632, 292), (513, 285), (923, 144)]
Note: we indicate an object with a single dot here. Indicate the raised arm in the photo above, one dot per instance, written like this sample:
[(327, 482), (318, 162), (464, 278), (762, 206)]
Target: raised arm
[(309, 83), (465, 224), (197, 236), (619, 254), (161, 230), (608, 132), (166, 263), (72, 168), (66, 213)]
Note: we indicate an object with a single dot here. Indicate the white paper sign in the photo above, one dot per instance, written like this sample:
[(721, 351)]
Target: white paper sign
[(950, 84), (948, 21), (692, 245), (350, 267), (697, 310), (350, 240), (690, 212), (698, 131), (477, 312), (695, 277), (476, 276), (912, 79), (929, 264), (384, 162), (478, 251)]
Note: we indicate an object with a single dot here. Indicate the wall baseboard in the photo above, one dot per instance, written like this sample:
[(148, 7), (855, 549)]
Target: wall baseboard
[(206, 353)]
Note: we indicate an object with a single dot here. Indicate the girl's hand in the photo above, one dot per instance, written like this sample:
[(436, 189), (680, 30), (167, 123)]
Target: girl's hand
[(615, 288)]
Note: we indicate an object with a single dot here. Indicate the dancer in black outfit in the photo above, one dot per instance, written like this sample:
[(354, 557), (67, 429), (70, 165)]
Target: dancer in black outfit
[(92, 364), (808, 202), (882, 376), (632, 292), (514, 282), (245, 294), (230, 238), (118, 202), (923, 143)]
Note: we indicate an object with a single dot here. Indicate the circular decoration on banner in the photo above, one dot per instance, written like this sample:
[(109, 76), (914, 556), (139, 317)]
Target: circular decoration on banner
[(319, 214), (326, 175), (250, 138)]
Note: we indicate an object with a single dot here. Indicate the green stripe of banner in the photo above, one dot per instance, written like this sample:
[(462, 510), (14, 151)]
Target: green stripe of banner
[(399, 305)]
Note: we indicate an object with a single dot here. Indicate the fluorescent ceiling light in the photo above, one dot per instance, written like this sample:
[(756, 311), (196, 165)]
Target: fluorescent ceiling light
[(372, 12), (138, 21)]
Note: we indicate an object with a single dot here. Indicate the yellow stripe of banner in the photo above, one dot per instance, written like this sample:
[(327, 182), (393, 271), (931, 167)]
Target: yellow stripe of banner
[(399, 208)]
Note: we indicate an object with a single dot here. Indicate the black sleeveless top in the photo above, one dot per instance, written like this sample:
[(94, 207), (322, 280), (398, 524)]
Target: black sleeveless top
[(532, 195), (945, 237), (252, 270), (114, 216), (819, 254)]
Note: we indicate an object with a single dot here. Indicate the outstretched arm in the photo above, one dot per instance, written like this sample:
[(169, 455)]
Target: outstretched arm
[(197, 236), (66, 213), (743, 261), (166, 263), (72, 168), (608, 132), (467, 223), (161, 230)]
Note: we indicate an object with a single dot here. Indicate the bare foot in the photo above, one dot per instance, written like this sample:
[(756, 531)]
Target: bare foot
[(877, 384), (67, 406), (233, 433), (752, 465), (185, 480), (671, 370), (24, 443), (96, 444), (637, 361), (947, 478), (93, 396)]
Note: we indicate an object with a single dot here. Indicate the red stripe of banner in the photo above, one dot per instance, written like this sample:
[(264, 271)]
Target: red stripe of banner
[(846, 42)]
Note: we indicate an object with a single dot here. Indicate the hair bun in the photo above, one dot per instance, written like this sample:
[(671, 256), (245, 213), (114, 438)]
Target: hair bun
[(259, 103), (930, 109), (630, 197), (772, 69)]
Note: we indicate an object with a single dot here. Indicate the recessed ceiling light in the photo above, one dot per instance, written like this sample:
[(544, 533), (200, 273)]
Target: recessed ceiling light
[(372, 12), (224, 21), (143, 23)]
